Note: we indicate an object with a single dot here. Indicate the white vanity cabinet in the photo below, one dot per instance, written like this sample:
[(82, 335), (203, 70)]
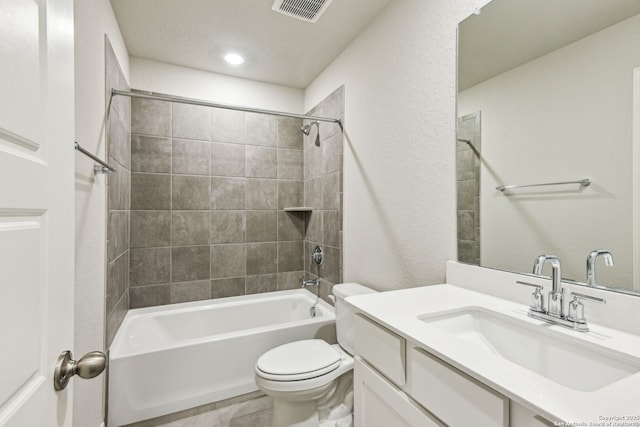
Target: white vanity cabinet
[(455, 398), (399, 384), (378, 403)]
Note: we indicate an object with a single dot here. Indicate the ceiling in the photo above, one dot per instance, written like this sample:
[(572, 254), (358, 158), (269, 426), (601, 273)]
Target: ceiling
[(509, 33), (277, 49)]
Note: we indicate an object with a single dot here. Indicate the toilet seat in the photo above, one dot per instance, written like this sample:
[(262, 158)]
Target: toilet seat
[(300, 360), (303, 386)]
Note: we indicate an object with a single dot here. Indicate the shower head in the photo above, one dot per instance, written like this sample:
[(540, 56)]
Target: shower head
[(306, 129)]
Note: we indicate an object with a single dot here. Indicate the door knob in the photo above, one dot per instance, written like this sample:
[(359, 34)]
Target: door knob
[(89, 366)]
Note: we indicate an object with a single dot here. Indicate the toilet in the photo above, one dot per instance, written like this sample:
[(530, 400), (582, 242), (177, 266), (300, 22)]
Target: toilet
[(311, 381)]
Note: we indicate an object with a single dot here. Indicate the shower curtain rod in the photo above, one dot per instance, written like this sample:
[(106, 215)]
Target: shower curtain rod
[(193, 101)]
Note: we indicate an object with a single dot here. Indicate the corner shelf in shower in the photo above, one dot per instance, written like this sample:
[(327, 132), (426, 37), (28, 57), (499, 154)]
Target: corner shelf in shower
[(298, 209)]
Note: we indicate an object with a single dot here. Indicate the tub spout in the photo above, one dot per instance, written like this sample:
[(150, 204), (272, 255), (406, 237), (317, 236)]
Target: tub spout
[(313, 282)]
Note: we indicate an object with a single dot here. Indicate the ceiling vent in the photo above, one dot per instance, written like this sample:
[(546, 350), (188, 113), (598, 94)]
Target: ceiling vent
[(304, 10)]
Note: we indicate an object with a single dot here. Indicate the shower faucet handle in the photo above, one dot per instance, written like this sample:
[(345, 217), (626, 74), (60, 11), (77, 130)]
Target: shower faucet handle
[(317, 255)]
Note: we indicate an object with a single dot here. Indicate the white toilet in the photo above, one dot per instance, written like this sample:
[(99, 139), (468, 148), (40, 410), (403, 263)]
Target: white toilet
[(311, 381)]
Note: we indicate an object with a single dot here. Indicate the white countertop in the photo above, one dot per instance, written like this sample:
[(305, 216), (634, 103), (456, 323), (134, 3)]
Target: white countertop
[(399, 311)]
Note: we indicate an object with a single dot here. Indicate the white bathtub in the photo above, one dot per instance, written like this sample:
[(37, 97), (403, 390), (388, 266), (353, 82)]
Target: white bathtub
[(170, 358)]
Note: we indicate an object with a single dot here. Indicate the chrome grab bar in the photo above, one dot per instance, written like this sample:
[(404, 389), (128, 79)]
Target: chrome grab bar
[(585, 182)]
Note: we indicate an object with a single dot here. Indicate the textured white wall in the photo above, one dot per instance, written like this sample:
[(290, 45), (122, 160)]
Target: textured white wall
[(399, 163), (560, 117), (93, 19), (181, 81)]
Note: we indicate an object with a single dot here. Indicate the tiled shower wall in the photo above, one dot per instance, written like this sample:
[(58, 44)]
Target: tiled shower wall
[(118, 126), (468, 187), (323, 174), (208, 192)]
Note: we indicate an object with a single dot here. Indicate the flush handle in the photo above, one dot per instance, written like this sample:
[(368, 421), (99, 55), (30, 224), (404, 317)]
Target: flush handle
[(89, 366)]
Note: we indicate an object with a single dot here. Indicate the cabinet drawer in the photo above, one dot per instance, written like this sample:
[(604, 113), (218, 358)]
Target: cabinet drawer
[(453, 396), (383, 349)]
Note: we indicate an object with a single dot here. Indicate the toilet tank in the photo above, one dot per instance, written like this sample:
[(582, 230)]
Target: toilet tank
[(345, 314)]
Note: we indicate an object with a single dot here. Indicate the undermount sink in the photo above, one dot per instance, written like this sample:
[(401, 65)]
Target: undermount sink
[(571, 362)]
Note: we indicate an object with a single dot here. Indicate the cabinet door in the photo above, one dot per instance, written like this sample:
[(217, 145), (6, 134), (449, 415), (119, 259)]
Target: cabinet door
[(378, 403)]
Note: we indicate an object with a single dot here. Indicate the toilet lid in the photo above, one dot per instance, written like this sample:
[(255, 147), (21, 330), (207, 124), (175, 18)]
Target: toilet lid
[(298, 360)]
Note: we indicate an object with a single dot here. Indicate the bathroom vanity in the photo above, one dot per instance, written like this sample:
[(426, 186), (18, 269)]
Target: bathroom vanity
[(447, 355)]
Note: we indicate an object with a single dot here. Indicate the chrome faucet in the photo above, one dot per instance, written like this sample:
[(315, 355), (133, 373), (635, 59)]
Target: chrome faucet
[(313, 311), (311, 282), (591, 264), (555, 306), (555, 311)]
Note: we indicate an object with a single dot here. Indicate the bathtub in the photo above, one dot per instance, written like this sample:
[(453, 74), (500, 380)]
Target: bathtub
[(170, 358)]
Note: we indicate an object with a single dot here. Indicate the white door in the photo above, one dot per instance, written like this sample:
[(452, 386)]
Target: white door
[(36, 208)]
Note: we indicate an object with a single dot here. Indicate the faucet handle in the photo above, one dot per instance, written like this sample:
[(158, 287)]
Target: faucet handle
[(576, 308), (537, 302)]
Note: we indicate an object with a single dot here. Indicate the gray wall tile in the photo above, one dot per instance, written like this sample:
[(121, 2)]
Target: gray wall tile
[(313, 193), (323, 157), (231, 287), (331, 191), (291, 225), (290, 280), (115, 317), (148, 296), (189, 263), (228, 126), (466, 226), (119, 184), (262, 226), (290, 256), (314, 227), (190, 192), (262, 258), (332, 154), (227, 159), (150, 266), (466, 195), (150, 229), (290, 194), (117, 281), (262, 130), (289, 133), (210, 226), (191, 157), (118, 141), (227, 193), (312, 160), (330, 268), (331, 228), (228, 260), (227, 226), (150, 154), (150, 191), (150, 117), (191, 121), (117, 234), (190, 228), (261, 283), (261, 162), (262, 194), (290, 164), (189, 291)]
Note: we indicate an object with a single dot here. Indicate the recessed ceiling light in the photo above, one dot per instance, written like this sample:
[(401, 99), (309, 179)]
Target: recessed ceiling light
[(234, 58)]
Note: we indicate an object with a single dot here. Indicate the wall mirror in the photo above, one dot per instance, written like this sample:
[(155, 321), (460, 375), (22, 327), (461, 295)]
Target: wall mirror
[(548, 93)]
